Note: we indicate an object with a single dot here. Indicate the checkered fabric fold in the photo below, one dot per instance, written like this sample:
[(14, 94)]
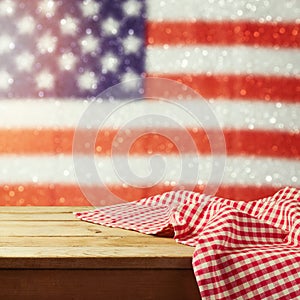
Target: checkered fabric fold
[(243, 250)]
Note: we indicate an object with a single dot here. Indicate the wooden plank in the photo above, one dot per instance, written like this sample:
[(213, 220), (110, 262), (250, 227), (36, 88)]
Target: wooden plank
[(111, 252), (21, 216), (42, 242), (59, 228), (117, 284), (43, 209), (46, 253), (40, 213), (92, 262), (89, 241)]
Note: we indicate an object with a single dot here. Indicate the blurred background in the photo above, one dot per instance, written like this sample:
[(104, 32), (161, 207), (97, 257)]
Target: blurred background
[(56, 57)]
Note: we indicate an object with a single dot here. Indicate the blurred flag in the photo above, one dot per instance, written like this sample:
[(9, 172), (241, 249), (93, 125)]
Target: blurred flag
[(56, 56)]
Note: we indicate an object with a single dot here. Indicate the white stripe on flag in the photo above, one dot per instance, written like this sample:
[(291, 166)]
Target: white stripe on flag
[(60, 170), (229, 10), (222, 60), (236, 114)]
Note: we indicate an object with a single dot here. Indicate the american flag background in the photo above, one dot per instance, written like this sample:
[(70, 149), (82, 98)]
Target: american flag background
[(241, 56)]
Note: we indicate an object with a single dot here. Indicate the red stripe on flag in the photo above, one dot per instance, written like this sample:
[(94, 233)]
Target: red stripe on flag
[(223, 33), (228, 86), (151, 141), (71, 195)]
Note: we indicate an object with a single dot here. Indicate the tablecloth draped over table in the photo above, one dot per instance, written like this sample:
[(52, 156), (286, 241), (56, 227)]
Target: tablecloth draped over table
[(243, 250)]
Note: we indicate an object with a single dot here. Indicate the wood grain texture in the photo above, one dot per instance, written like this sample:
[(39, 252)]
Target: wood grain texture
[(46, 253), (98, 284), (43, 209)]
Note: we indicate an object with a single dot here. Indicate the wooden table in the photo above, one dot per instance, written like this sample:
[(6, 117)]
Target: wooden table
[(46, 253)]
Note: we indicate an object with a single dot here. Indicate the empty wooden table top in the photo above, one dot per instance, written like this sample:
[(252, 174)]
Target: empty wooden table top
[(46, 253)]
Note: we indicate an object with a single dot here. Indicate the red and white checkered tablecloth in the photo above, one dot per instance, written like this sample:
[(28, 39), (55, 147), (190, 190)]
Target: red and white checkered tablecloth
[(243, 250)]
